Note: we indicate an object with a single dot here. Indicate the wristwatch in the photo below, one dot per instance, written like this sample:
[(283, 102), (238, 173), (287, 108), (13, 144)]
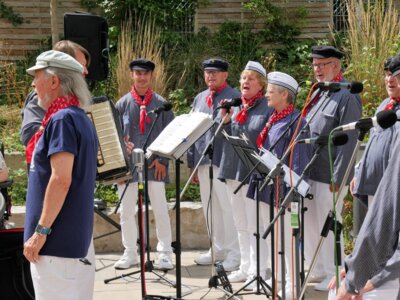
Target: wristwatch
[(42, 230)]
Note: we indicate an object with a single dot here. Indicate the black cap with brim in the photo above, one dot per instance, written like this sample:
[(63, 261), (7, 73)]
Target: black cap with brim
[(142, 65), (386, 63), (325, 52), (394, 65), (215, 64)]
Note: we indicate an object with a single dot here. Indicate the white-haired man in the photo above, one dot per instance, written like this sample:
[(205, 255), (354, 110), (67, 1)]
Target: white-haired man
[(59, 207)]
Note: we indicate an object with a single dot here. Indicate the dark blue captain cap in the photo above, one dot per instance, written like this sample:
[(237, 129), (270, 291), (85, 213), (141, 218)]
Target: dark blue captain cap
[(216, 64), (142, 64), (394, 65), (325, 52), (386, 63)]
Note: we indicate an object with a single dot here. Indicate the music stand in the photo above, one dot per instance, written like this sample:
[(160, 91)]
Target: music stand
[(245, 150), (277, 168), (172, 143)]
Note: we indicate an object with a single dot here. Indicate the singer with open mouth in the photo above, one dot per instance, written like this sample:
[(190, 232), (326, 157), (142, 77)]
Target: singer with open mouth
[(249, 119)]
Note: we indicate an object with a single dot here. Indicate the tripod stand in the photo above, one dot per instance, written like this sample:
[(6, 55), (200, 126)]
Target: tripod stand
[(245, 152), (261, 285), (331, 223)]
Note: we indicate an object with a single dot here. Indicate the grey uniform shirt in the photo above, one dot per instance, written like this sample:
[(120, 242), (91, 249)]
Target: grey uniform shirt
[(379, 234), (368, 174), (376, 156), (129, 112), (32, 117), (200, 105), (257, 116), (334, 109)]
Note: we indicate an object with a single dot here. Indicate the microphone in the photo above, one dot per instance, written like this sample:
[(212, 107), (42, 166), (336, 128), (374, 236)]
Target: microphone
[(355, 87), (338, 139), (384, 118), (228, 104), (138, 162), (165, 107)]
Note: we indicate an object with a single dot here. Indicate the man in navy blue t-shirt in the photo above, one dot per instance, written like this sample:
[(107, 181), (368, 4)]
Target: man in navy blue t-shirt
[(59, 207)]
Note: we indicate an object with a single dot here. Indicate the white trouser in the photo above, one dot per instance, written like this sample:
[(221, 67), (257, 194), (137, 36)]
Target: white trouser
[(160, 209), (225, 240), (315, 217), (244, 210), (387, 291), (264, 220), (59, 278)]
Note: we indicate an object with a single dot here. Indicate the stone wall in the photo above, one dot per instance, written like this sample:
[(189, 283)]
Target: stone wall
[(193, 229)]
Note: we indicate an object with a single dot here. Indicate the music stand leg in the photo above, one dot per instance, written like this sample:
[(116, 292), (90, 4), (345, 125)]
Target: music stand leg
[(177, 249)]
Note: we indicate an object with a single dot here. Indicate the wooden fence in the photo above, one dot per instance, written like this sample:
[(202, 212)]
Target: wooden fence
[(17, 41), (316, 26)]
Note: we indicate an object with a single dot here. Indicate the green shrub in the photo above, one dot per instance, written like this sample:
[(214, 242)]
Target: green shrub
[(19, 186), (192, 193)]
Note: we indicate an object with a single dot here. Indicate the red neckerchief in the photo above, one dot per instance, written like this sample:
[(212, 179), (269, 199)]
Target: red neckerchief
[(314, 101), (58, 104), (241, 117), (392, 103), (275, 117), (142, 104), (210, 96)]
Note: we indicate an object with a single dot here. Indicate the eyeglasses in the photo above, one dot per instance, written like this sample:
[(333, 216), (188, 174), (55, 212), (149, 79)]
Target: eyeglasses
[(321, 66), (388, 75), (212, 72)]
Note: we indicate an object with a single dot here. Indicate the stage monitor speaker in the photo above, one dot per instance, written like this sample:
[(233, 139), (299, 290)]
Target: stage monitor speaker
[(91, 32)]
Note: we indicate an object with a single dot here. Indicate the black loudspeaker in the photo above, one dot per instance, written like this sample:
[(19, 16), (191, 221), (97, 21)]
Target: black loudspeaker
[(91, 32), (15, 274)]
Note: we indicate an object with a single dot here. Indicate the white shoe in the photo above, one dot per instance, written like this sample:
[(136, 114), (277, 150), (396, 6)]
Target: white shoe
[(252, 285), (165, 262), (205, 259), (323, 285), (237, 276), (230, 264), (316, 278), (126, 261)]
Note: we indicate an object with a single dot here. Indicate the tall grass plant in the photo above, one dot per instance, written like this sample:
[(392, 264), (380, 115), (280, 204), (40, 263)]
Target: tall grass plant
[(140, 39), (373, 36)]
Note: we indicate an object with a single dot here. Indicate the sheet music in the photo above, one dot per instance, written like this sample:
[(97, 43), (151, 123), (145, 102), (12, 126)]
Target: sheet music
[(270, 161), (180, 134)]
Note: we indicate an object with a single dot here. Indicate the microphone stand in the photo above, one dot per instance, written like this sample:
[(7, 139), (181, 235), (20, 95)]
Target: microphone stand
[(213, 281), (331, 218), (278, 171), (148, 265)]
